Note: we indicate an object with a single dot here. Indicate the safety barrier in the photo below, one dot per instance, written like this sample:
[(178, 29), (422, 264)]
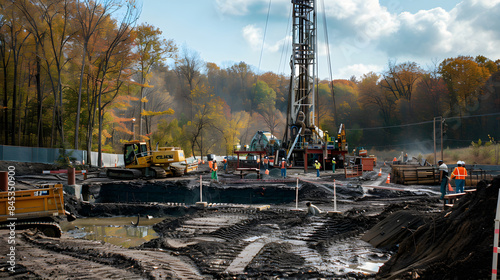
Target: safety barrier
[(51, 155), (353, 171)]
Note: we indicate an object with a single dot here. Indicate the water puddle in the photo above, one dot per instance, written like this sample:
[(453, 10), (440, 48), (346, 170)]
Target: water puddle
[(115, 230)]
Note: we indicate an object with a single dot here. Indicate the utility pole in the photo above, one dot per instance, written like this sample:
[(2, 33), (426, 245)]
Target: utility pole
[(441, 124), (434, 138)]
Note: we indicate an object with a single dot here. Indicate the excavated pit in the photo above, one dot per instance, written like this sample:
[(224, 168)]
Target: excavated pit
[(235, 237)]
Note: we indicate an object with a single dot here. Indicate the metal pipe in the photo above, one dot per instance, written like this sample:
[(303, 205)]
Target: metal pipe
[(297, 195)]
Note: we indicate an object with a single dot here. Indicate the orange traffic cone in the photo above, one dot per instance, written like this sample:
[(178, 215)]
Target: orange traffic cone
[(450, 188), (388, 179), (380, 172)]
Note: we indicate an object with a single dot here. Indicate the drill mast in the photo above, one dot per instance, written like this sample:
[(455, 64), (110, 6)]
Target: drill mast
[(303, 63)]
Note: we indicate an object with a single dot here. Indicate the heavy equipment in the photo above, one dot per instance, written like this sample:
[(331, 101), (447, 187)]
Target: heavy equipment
[(39, 209), (141, 161), (303, 140)]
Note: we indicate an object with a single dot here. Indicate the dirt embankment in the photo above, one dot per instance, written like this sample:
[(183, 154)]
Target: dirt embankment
[(455, 244)]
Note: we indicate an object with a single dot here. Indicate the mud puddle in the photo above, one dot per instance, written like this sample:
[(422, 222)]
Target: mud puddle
[(119, 231)]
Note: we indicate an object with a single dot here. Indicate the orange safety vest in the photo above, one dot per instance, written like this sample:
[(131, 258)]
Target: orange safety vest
[(283, 164), (224, 160), (214, 166), (459, 172), (210, 163)]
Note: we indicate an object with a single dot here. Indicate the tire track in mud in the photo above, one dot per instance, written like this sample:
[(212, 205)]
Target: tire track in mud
[(228, 243), (127, 263)]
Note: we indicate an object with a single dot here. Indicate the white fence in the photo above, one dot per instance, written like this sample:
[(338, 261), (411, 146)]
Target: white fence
[(50, 155)]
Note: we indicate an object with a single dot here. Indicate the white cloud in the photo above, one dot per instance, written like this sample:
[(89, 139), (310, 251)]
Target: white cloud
[(471, 28), (233, 7), (243, 7), (253, 36), (360, 18), (358, 70), (423, 33)]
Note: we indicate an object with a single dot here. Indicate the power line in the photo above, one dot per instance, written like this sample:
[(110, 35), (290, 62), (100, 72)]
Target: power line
[(420, 123), (264, 37)]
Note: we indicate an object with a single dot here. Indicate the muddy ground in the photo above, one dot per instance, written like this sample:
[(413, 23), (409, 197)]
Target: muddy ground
[(415, 237)]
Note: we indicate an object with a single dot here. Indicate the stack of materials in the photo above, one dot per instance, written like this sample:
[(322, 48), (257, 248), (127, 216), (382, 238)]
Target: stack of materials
[(412, 174)]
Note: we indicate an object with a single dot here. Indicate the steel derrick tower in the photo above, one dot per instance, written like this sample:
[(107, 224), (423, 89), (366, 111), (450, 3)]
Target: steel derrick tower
[(302, 102)]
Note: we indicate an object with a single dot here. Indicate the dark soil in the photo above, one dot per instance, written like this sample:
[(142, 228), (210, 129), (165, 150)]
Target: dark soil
[(246, 241), (456, 244)]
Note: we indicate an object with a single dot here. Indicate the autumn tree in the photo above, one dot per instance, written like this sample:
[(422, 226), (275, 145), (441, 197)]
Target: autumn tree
[(188, 71), (464, 78), (207, 114), (13, 37), (110, 65), (400, 80), (152, 50), (371, 94), (89, 16)]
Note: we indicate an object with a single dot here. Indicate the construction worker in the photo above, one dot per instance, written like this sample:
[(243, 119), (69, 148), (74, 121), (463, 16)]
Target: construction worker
[(333, 164), (312, 209), (318, 166), (214, 169), (224, 161), (266, 162), (283, 167), (443, 177), (459, 173)]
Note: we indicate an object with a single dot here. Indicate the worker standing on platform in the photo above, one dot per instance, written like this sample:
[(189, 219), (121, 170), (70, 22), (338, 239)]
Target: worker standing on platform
[(333, 164), (318, 166), (283, 168), (443, 177), (459, 173), (224, 161), (214, 170)]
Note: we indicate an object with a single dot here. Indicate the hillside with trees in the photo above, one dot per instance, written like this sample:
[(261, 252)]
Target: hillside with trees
[(86, 75)]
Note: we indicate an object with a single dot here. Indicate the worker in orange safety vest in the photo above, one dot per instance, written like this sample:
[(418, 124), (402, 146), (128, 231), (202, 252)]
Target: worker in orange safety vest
[(266, 162), (224, 161), (459, 173), (214, 170), (283, 167)]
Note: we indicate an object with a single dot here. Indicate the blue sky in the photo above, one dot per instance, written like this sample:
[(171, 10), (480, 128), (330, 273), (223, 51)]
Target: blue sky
[(363, 35)]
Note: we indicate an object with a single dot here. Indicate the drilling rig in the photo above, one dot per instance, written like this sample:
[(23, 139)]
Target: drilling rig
[(303, 141)]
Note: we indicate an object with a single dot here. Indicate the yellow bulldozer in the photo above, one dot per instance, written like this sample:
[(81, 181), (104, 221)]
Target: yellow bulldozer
[(141, 161)]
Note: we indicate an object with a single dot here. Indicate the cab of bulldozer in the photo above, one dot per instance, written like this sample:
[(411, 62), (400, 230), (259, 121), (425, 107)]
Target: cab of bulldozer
[(134, 150)]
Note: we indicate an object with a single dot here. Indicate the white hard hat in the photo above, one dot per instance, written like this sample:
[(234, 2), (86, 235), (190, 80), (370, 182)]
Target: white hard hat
[(316, 160), (459, 162), (462, 162)]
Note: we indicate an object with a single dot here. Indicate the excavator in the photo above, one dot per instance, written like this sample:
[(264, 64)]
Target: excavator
[(141, 161)]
